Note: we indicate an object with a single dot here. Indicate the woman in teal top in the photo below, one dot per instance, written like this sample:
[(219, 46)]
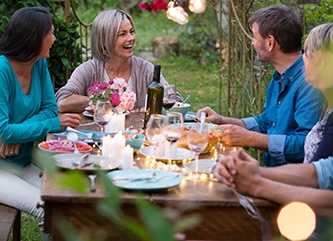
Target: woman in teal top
[(28, 107)]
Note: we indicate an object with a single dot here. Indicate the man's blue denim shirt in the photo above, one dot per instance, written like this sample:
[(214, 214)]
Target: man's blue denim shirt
[(292, 108)]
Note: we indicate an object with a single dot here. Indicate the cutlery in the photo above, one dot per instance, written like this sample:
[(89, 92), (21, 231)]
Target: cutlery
[(185, 100), (81, 160), (73, 137), (88, 124), (92, 183), (88, 135)]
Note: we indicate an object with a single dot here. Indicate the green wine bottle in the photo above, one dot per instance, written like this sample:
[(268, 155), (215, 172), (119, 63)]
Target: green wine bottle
[(154, 99)]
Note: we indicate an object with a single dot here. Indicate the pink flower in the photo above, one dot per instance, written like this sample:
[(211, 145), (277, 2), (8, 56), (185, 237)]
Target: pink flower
[(115, 98), (115, 90), (156, 5)]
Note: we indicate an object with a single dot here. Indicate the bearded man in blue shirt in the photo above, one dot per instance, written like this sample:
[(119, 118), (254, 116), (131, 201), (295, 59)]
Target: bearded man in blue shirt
[(292, 105)]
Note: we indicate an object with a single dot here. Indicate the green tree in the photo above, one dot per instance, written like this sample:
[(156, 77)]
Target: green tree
[(65, 51)]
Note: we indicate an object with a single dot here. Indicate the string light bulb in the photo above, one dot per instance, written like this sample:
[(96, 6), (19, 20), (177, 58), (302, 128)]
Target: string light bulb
[(176, 13), (197, 6), (296, 221)]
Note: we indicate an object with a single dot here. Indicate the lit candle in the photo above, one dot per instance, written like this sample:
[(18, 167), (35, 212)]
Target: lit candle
[(118, 145), (127, 158), (159, 139), (107, 144), (117, 123)]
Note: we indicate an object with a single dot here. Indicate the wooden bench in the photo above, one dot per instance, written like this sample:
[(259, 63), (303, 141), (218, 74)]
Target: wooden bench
[(10, 218)]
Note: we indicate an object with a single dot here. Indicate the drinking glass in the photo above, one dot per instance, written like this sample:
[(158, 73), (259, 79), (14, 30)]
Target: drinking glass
[(155, 131), (173, 131), (197, 139), (102, 114), (169, 97)]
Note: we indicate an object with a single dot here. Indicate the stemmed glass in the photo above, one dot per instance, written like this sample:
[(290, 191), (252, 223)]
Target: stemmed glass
[(197, 139), (173, 131), (155, 131), (169, 97), (102, 114)]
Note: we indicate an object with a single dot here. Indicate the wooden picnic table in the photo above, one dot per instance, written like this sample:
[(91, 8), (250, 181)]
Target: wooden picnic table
[(222, 216)]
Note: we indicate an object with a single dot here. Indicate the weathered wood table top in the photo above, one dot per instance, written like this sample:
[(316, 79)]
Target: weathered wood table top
[(223, 218)]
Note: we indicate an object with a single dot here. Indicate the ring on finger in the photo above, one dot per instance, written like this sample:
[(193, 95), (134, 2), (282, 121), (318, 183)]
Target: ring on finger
[(11, 151)]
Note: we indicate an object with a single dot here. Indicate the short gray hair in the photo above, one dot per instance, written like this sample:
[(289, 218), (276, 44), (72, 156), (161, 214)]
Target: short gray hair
[(104, 32)]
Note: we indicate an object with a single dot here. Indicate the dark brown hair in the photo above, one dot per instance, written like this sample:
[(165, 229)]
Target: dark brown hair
[(25, 32), (282, 23)]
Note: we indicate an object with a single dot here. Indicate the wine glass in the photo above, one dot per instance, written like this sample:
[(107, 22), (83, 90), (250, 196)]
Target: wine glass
[(169, 97), (102, 114), (173, 131), (197, 139), (155, 131)]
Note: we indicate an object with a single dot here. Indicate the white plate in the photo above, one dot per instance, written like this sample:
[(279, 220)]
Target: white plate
[(123, 180), (182, 154), (88, 114), (204, 165), (65, 161)]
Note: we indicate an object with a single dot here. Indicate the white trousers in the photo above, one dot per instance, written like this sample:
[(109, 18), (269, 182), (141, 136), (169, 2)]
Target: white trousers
[(21, 189)]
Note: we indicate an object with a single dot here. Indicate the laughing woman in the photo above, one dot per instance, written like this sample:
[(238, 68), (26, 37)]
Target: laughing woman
[(112, 41), (28, 107)]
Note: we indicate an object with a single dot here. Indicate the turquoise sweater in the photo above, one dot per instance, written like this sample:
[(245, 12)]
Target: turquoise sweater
[(26, 118)]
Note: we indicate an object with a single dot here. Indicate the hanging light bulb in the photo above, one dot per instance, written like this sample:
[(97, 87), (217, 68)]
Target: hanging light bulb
[(197, 6), (176, 13)]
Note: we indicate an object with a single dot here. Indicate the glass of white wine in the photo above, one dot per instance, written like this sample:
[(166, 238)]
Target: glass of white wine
[(197, 140), (155, 131)]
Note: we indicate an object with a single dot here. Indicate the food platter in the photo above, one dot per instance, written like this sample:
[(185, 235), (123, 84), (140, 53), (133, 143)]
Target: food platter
[(63, 146), (96, 136)]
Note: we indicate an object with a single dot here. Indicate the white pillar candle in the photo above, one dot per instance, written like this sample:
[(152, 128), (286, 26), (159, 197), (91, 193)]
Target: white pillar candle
[(159, 139), (171, 149), (117, 123), (127, 158), (107, 144), (118, 145)]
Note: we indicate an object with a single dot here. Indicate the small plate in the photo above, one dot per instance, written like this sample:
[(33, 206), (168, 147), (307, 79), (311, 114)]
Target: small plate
[(204, 165), (171, 179), (65, 161), (88, 149), (89, 114), (182, 154)]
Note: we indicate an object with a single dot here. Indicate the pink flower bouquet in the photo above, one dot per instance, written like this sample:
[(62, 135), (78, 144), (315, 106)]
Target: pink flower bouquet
[(116, 91)]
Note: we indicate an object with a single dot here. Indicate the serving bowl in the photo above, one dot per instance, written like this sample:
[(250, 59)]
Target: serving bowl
[(182, 108), (133, 138)]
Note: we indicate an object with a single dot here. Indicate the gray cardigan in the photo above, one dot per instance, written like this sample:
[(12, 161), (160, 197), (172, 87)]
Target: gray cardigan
[(93, 70)]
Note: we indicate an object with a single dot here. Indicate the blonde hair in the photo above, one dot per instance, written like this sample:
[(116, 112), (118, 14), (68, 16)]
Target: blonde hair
[(104, 32), (318, 48)]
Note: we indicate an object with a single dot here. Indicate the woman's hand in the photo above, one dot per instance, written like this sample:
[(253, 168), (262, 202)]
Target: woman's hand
[(9, 149), (68, 119)]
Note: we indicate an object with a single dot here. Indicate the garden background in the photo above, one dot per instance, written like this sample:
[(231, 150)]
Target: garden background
[(215, 64)]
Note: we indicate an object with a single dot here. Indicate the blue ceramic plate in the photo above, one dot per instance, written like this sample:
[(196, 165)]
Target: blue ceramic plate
[(189, 116), (152, 180)]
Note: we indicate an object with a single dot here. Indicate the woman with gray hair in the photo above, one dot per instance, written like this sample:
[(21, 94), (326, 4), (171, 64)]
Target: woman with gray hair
[(112, 41)]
